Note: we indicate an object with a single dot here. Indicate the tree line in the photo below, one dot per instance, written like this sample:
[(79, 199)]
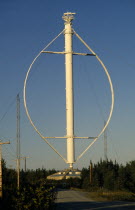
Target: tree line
[(35, 192), (109, 175), (39, 193)]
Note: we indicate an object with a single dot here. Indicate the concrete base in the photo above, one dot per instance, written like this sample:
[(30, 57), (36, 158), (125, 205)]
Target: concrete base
[(65, 174)]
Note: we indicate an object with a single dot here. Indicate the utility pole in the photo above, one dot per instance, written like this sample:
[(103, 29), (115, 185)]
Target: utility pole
[(91, 172), (105, 144), (1, 143), (18, 142), (24, 162)]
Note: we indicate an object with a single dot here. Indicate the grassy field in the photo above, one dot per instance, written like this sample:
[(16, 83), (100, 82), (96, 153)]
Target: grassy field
[(109, 195), (112, 196)]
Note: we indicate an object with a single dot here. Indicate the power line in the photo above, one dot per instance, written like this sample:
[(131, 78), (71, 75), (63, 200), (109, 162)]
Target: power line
[(7, 110)]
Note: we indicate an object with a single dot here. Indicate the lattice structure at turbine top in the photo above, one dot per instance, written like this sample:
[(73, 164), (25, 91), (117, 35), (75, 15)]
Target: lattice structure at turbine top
[(68, 53)]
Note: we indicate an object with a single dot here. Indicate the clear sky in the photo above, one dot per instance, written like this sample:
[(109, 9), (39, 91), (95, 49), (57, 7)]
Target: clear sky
[(26, 27)]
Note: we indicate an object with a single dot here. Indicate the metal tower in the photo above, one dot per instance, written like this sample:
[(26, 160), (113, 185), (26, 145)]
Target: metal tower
[(18, 139), (105, 144)]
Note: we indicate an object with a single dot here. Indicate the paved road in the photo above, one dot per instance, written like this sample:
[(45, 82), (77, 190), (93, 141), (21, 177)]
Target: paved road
[(76, 200)]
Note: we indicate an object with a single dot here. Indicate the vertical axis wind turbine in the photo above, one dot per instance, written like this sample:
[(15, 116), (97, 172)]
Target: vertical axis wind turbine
[(68, 33)]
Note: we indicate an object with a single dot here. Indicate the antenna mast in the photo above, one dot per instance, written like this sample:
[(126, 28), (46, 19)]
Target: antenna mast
[(18, 141), (105, 144)]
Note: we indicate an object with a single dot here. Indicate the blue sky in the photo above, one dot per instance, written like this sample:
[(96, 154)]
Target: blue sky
[(108, 28)]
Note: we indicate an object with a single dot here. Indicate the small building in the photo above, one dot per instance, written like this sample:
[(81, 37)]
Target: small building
[(65, 174)]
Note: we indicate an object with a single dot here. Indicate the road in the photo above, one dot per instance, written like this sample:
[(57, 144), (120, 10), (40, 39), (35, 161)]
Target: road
[(76, 200)]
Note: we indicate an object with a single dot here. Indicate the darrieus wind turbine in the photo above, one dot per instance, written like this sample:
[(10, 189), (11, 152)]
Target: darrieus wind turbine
[(68, 53)]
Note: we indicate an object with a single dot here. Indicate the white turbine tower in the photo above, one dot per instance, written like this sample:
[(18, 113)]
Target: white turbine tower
[(69, 89), (68, 33)]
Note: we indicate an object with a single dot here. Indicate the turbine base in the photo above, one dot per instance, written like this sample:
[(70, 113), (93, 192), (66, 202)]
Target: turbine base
[(65, 174)]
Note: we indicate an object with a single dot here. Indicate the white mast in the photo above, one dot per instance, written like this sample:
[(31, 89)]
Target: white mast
[(68, 17)]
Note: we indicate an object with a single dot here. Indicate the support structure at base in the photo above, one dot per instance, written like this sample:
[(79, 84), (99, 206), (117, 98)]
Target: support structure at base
[(65, 174)]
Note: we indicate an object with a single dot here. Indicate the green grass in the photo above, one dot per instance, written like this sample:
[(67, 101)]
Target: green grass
[(101, 195), (112, 196)]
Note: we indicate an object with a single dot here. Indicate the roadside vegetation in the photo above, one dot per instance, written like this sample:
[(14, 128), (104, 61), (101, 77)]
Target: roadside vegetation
[(107, 180), (35, 192), (110, 181)]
